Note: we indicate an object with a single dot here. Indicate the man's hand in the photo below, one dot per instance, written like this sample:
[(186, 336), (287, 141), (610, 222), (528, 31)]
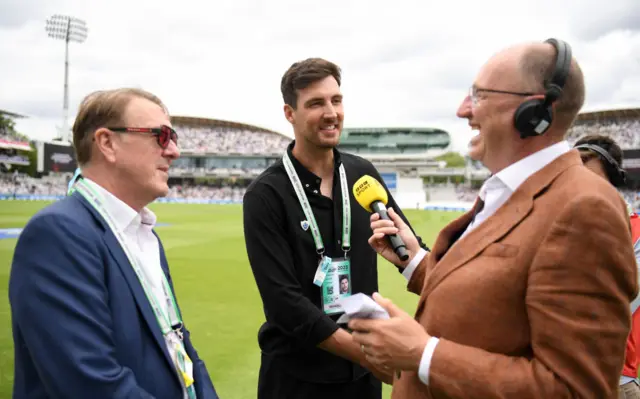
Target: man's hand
[(383, 374), (396, 225), (396, 343), (341, 343)]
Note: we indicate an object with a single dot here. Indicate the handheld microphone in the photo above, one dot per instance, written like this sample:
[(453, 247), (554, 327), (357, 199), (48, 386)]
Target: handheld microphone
[(372, 196)]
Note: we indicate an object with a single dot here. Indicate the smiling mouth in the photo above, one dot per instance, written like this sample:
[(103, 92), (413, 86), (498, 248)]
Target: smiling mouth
[(327, 128)]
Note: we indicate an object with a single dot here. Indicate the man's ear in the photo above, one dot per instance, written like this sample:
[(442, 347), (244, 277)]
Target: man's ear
[(105, 143), (289, 112)]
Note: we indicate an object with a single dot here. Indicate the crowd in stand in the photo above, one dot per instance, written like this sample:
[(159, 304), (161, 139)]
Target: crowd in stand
[(227, 193), (9, 136), (20, 184), (56, 185), (219, 172), (625, 132), (228, 141), (221, 140)]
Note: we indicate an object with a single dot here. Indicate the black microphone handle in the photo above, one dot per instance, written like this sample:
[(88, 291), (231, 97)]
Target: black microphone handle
[(397, 244)]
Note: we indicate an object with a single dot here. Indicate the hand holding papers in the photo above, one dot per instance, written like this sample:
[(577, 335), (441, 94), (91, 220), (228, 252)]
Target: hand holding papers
[(395, 341), (360, 306)]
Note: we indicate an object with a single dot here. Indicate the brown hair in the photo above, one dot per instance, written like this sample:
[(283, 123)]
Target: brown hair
[(610, 146), (302, 74), (101, 109), (537, 67)]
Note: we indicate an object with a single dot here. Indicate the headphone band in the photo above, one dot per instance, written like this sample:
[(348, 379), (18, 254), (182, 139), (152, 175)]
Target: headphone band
[(560, 74), (615, 173), (604, 153)]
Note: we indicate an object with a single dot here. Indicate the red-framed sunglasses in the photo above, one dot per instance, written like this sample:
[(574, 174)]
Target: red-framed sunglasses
[(164, 134)]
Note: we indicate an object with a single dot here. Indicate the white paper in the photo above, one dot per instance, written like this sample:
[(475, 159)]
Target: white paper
[(360, 306)]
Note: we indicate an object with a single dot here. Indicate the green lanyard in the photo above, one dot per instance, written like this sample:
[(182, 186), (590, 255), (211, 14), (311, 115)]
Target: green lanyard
[(308, 212), (167, 323)]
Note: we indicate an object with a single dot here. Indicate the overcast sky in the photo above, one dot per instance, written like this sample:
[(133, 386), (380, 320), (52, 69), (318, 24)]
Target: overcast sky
[(409, 64)]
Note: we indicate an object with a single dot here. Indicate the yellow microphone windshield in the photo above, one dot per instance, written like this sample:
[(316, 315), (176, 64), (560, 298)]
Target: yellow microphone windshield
[(368, 190)]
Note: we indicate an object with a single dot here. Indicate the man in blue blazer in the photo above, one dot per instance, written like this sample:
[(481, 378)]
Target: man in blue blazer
[(93, 308)]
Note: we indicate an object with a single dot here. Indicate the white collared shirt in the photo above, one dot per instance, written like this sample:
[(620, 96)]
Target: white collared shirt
[(138, 230), (494, 192), (499, 187)]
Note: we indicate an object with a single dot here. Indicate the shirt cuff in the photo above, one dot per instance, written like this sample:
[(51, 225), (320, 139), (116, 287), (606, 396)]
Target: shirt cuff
[(411, 267), (425, 362)]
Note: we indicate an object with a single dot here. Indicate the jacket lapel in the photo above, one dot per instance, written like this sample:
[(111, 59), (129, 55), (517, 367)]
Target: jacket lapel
[(132, 280), (450, 255), (490, 231)]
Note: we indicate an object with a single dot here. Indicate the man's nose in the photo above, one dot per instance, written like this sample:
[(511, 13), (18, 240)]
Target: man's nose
[(172, 150), (465, 110)]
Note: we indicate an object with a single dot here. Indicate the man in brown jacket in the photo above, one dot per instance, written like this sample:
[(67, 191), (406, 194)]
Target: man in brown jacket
[(527, 295)]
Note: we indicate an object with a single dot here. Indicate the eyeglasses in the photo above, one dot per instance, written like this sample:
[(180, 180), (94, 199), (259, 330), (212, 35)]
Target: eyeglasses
[(164, 134), (473, 93)]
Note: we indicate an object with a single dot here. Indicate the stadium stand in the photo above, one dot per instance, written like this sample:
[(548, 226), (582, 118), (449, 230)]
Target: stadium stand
[(401, 155), (219, 159), (623, 125), (221, 149), (201, 192), (7, 136), (21, 184), (394, 141), (13, 147), (212, 136)]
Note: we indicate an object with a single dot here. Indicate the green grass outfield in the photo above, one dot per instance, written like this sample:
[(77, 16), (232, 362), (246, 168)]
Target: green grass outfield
[(214, 284)]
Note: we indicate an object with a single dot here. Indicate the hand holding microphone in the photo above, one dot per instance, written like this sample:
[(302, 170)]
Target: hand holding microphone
[(391, 238)]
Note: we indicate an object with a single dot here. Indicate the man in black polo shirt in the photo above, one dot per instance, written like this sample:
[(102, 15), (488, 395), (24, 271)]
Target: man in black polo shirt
[(295, 221)]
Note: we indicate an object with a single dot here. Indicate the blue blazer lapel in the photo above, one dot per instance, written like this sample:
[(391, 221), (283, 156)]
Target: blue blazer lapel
[(132, 281)]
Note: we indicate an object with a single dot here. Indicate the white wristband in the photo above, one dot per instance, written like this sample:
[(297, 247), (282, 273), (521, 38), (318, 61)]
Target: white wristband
[(415, 261), (425, 362)]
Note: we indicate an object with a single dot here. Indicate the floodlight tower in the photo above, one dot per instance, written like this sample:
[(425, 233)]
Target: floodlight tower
[(69, 29)]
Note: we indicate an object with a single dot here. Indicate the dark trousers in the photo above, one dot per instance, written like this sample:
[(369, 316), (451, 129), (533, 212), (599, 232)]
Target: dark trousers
[(276, 383)]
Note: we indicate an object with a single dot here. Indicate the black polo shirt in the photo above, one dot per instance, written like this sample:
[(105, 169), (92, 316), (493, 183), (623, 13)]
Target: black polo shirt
[(283, 259)]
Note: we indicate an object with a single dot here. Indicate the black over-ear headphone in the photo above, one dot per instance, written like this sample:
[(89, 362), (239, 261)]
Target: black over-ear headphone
[(533, 117), (616, 174)]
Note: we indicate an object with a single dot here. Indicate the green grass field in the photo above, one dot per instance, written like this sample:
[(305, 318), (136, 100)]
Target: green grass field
[(214, 284)]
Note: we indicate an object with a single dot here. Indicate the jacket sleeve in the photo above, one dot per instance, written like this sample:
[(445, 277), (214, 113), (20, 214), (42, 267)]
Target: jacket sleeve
[(580, 284), (59, 304), (272, 263)]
